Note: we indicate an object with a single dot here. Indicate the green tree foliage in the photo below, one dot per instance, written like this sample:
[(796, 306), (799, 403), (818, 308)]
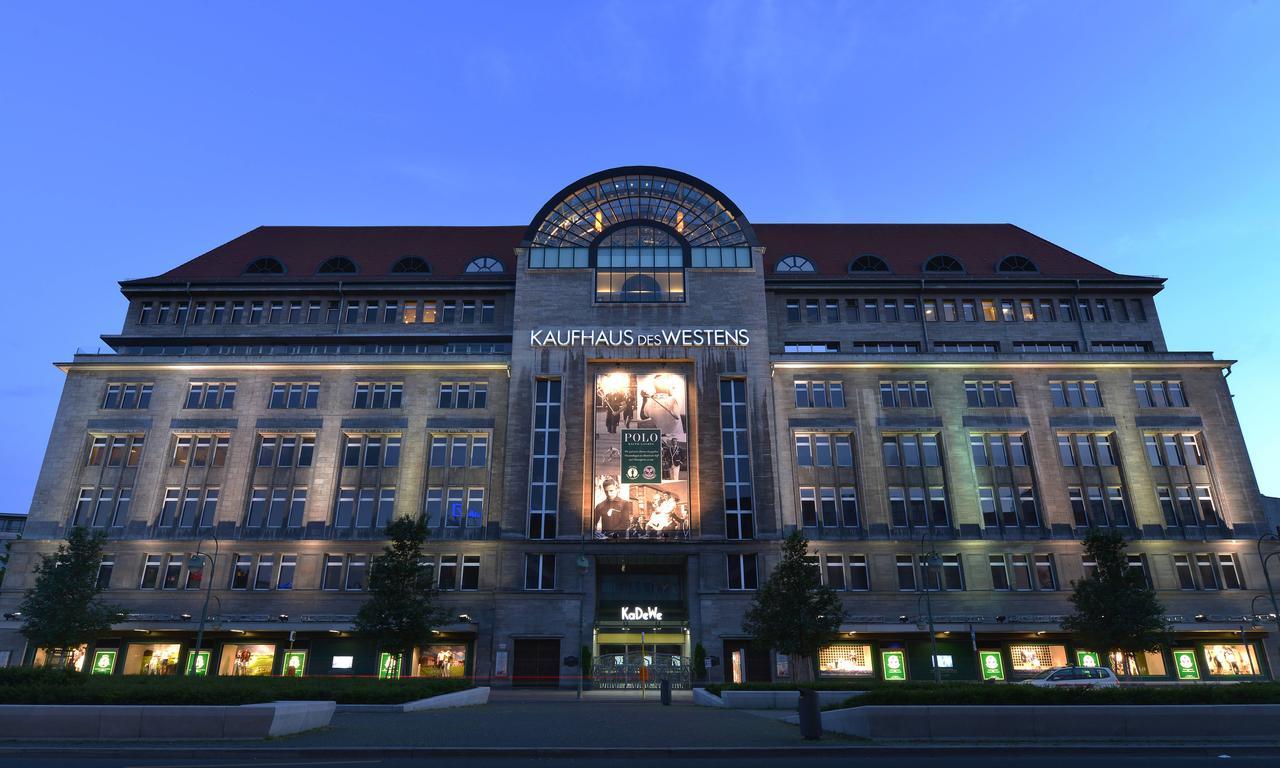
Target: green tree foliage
[(1115, 610), (793, 613), (400, 612), (64, 608)]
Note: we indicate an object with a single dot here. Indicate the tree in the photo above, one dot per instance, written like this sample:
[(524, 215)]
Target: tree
[(1115, 610), (64, 609), (793, 613), (400, 612)]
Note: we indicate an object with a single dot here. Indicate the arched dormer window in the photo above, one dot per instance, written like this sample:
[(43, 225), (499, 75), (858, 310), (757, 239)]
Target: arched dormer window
[(485, 264), (338, 265), (943, 263), (411, 265), (868, 262), (265, 266), (794, 263), (1017, 263)]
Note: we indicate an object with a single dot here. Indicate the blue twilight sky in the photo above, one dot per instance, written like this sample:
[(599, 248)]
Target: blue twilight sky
[(133, 136)]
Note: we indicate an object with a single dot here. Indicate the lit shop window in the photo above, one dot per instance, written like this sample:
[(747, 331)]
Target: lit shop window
[(246, 660), (152, 659), (1230, 660), (845, 661), (1145, 664), (1031, 659)]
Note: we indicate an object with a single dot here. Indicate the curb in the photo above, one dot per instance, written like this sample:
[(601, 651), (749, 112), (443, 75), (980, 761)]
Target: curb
[(876, 750)]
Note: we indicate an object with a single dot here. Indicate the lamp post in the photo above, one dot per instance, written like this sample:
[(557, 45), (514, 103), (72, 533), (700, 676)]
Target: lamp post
[(208, 590), (583, 567), (931, 561), (1271, 592)]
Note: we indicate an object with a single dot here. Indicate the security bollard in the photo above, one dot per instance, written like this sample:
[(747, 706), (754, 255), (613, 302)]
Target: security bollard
[(810, 719), (664, 692)]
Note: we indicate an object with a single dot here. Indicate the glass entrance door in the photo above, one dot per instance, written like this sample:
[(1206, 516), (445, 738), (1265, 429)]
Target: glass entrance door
[(635, 660)]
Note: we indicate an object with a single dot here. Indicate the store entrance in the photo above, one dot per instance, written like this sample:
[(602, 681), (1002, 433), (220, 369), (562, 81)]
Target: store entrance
[(537, 664), (641, 659)]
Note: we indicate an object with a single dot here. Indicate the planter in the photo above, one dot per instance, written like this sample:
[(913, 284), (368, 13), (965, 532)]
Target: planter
[(53, 722)]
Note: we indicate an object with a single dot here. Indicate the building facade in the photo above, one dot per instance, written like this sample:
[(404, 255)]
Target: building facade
[(611, 417)]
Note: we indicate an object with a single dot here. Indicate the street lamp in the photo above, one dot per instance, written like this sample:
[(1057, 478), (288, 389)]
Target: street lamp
[(931, 561), (1275, 611), (208, 590), (584, 566)]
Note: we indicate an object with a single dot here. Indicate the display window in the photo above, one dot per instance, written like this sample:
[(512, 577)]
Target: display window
[(69, 658), (442, 661), (246, 660), (845, 660), (152, 659), (1029, 659), (1147, 664), (104, 661), (1230, 660), (295, 663)]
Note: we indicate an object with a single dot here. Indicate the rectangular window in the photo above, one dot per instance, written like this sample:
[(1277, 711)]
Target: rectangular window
[(1159, 393), (105, 566), (172, 571), (127, 396), (859, 577), (906, 565), (544, 474), (949, 310), (357, 567), (294, 395), (470, 572), (736, 457), (1208, 574), (378, 395), (448, 572), (288, 565), (741, 571), (150, 572), (263, 573), (1231, 574), (211, 395), (539, 572), (1182, 566), (999, 573), (905, 394), (989, 394)]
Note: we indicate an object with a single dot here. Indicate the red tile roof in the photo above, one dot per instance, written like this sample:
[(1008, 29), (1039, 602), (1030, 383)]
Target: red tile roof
[(904, 247)]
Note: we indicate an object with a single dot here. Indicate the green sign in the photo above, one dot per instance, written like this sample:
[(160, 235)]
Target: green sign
[(295, 663), (1087, 659), (388, 666), (1185, 661), (893, 664), (104, 662), (198, 663), (641, 456), (992, 665)]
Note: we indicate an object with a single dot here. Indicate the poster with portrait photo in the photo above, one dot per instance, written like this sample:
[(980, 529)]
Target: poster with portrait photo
[(627, 400)]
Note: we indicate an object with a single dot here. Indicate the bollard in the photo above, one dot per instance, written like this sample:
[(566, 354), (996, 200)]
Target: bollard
[(810, 719), (664, 692)]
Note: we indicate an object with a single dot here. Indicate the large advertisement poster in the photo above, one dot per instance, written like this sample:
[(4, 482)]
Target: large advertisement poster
[(640, 456)]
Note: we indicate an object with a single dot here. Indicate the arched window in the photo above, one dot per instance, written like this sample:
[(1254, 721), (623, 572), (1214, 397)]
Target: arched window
[(1017, 263), (485, 264), (338, 265), (943, 263), (411, 265), (265, 266), (640, 287), (868, 262), (794, 263)]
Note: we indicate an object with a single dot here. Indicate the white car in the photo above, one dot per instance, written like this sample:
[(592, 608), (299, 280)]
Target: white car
[(1074, 677)]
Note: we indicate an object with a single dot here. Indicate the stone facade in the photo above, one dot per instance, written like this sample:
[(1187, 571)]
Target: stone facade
[(210, 322)]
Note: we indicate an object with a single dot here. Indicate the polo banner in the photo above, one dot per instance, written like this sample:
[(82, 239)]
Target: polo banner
[(640, 456)]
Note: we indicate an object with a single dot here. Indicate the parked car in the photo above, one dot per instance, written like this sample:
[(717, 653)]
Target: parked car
[(1074, 677)]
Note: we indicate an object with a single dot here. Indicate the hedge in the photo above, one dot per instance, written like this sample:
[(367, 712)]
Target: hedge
[(970, 694), (28, 686)]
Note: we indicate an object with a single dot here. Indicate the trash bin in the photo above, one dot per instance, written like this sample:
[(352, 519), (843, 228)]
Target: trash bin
[(664, 692), (810, 719)]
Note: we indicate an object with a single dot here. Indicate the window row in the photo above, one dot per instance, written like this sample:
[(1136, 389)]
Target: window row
[(964, 310), (312, 312)]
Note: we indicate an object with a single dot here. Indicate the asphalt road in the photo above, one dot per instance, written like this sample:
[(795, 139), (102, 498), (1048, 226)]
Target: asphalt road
[(1013, 757)]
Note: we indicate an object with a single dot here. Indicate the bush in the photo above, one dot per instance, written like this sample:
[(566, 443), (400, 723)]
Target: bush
[(39, 676), (70, 688), (971, 694), (817, 685)]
